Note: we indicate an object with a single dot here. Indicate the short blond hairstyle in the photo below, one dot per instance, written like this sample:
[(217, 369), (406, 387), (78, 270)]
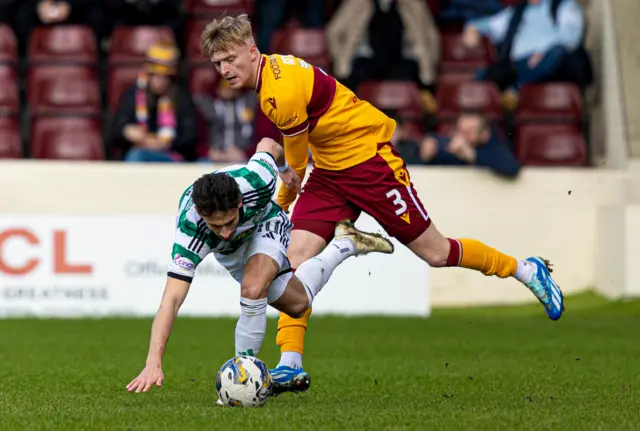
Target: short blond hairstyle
[(224, 34)]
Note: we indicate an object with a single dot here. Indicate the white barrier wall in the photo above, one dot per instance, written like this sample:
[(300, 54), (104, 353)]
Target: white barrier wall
[(555, 213)]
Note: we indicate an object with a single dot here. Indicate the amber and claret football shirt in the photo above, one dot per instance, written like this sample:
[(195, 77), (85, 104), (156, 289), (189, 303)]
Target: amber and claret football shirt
[(296, 96)]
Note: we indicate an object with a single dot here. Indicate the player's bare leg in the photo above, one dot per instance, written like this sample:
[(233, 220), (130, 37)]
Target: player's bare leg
[(307, 282), (533, 272)]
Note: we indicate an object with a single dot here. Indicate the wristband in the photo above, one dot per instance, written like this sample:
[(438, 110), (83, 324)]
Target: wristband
[(283, 168)]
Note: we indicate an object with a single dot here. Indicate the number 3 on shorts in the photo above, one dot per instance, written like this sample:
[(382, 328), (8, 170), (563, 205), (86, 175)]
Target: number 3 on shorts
[(398, 202)]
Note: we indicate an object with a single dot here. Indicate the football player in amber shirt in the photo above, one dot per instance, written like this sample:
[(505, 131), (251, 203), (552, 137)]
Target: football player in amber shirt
[(356, 169)]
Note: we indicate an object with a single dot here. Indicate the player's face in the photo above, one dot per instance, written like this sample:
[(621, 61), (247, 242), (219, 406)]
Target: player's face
[(223, 223), (237, 65)]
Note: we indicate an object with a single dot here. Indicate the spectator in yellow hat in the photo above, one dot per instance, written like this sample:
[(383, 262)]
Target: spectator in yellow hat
[(156, 119)]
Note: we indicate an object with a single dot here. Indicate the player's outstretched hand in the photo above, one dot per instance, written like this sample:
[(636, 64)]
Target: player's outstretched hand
[(146, 379), (291, 179)]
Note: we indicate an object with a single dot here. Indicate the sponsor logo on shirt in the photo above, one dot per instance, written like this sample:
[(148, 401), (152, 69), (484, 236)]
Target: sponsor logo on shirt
[(183, 262)]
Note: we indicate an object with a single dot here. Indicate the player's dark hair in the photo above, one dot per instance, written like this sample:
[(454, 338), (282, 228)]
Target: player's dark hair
[(215, 192)]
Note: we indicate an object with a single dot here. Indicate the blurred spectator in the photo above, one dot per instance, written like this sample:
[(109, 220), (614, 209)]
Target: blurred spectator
[(156, 119), (468, 9), (271, 14), (475, 141), (230, 119), (384, 39), (536, 39), (32, 13), (150, 12), (7, 11)]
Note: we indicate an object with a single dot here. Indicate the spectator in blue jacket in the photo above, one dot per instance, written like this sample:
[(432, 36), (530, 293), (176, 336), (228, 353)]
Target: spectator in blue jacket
[(541, 41), (475, 142)]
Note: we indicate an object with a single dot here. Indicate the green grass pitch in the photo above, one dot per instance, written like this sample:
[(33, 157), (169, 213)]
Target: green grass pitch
[(475, 369)]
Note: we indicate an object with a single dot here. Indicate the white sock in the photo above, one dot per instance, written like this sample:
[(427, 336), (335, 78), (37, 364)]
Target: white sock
[(291, 359), (315, 272), (525, 271), (251, 327)]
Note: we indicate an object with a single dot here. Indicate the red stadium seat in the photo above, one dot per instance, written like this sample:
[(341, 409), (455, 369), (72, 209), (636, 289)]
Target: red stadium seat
[(401, 97), (553, 102), (63, 44), (551, 145), (203, 81), (454, 97), (308, 44), (66, 138), (119, 79), (215, 8), (9, 92), (194, 47), (455, 56), (63, 90), (129, 44), (457, 76), (10, 140), (8, 45)]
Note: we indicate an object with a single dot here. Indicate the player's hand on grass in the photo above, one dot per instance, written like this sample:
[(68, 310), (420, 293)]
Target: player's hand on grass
[(151, 375)]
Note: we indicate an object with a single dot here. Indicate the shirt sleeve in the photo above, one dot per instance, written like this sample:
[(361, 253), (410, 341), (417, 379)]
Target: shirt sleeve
[(495, 26), (570, 24), (263, 164), (286, 103), (190, 246)]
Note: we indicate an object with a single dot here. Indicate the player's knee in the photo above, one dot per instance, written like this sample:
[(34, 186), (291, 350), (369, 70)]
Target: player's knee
[(253, 291)]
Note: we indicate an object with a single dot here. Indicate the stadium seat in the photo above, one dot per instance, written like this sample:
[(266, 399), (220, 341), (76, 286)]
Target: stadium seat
[(63, 90), (9, 93), (308, 44), (453, 97), (66, 138), (119, 79), (129, 44), (551, 145), (194, 47), (63, 44), (10, 140), (457, 76), (401, 97), (215, 8), (549, 102), (203, 81), (456, 57), (8, 45)]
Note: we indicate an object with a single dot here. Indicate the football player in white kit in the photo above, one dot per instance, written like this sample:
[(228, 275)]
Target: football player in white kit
[(230, 213)]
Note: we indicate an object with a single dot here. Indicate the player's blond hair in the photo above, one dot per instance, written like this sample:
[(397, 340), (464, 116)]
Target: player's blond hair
[(224, 34)]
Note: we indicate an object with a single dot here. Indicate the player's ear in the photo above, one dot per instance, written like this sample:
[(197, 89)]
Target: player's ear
[(253, 51)]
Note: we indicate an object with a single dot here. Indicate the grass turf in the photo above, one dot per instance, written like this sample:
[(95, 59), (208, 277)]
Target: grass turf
[(483, 369)]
